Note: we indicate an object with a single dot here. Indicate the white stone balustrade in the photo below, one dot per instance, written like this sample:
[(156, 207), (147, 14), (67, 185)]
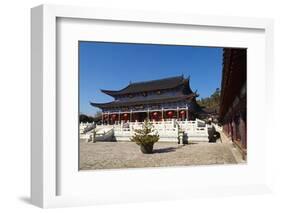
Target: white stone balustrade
[(168, 130)]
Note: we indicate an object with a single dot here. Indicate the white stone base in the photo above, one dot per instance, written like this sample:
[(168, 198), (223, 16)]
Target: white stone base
[(168, 131)]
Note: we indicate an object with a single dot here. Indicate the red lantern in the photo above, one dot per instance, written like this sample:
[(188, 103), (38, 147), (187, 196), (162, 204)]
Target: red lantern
[(170, 114), (125, 116)]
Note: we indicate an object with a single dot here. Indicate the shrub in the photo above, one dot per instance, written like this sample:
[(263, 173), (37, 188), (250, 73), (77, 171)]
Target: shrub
[(145, 137)]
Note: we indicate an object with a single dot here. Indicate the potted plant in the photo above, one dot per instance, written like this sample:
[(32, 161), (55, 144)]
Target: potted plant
[(145, 137)]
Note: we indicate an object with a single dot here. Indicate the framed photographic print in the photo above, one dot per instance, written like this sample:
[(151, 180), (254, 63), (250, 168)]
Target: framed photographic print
[(146, 105)]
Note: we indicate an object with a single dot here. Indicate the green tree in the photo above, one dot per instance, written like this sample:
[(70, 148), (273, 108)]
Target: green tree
[(212, 101), (83, 118), (145, 137)]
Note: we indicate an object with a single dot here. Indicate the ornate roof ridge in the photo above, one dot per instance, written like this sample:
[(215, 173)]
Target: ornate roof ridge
[(155, 80), (144, 86)]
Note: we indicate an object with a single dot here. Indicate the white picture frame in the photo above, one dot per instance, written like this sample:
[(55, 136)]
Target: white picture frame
[(45, 152)]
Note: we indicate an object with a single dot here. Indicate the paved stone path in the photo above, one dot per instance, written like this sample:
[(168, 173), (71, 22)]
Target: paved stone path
[(113, 155)]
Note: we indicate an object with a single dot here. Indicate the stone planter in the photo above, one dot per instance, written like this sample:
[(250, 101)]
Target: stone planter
[(146, 149)]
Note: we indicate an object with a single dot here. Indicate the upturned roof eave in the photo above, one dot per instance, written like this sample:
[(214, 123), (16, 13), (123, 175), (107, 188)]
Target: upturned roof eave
[(130, 103)]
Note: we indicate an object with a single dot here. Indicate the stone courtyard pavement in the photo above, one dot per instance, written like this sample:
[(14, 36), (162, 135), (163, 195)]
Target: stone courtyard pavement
[(114, 155)]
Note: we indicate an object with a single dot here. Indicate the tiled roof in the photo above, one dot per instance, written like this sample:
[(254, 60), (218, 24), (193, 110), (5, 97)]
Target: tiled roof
[(118, 103), (145, 86)]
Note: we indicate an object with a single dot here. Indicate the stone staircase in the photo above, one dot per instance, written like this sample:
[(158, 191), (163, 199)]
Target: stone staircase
[(104, 134)]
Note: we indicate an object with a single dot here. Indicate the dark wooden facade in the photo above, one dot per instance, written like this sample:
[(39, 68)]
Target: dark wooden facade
[(233, 103), (156, 100)]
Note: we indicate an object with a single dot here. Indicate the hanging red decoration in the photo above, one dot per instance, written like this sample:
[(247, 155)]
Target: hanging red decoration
[(170, 114), (125, 115), (155, 113), (182, 112)]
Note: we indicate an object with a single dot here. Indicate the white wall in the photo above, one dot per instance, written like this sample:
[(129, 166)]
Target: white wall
[(15, 103)]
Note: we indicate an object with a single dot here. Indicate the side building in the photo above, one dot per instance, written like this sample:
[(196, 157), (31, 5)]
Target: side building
[(233, 102), (163, 99)]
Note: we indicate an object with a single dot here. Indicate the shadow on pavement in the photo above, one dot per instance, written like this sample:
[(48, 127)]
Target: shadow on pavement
[(163, 150)]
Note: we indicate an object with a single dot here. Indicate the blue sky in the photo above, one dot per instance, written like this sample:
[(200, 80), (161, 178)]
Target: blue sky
[(112, 66)]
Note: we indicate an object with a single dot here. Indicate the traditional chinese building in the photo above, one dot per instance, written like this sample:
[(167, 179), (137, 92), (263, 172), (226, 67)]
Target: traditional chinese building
[(233, 97), (169, 98)]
